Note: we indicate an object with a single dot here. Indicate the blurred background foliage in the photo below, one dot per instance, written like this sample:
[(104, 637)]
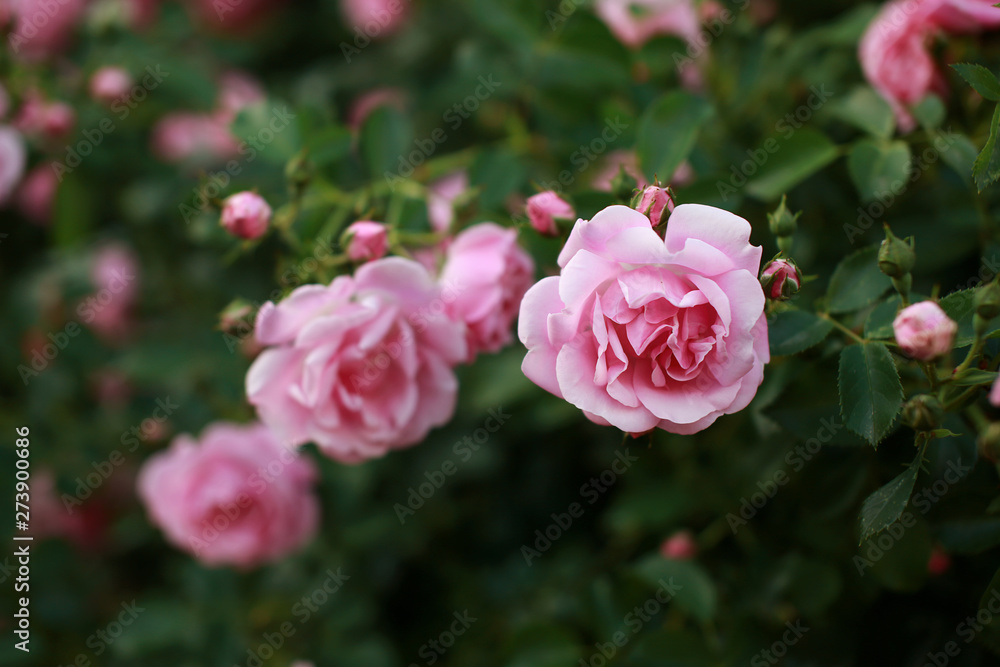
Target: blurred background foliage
[(462, 550)]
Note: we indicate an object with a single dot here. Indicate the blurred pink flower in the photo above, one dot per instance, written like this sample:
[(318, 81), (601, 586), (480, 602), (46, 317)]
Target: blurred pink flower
[(375, 18), (544, 208), (361, 366), (50, 120), (488, 273), (201, 138), (37, 194), (246, 215), (441, 197), (366, 240), (109, 84), (237, 91), (234, 497), (13, 157), (634, 22), (43, 28), (963, 16), (107, 310)]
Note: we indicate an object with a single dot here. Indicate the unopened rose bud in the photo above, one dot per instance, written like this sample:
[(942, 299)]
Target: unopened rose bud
[(655, 203), (781, 279), (987, 300), (939, 562), (246, 215), (924, 331), (365, 241), (896, 256), (679, 546), (923, 412), (989, 442), (623, 185), (545, 209), (783, 222), (109, 84)]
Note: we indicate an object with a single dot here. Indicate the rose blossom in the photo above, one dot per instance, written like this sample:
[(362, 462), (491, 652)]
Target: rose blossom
[(441, 195), (963, 16), (237, 91), (642, 333), (109, 84), (366, 241), (43, 29), (107, 311), (37, 193), (12, 161), (489, 274), (210, 498), (679, 546), (246, 215), (924, 331), (634, 22), (544, 208), (361, 366), (204, 138), (375, 18)]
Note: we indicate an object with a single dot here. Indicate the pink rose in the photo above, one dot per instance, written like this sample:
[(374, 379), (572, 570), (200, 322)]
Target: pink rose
[(544, 208), (361, 366), (236, 497), (366, 241), (924, 331), (654, 203), (375, 18), (963, 16), (44, 29), (107, 310), (441, 198), (246, 215), (781, 279), (489, 273), (109, 84), (201, 138), (237, 91), (12, 161), (642, 333), (37, 193), (896, 60), (679, 546), (634, 22)]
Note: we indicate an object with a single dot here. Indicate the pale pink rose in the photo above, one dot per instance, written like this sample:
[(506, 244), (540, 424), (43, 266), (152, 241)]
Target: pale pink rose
[(50, 120), (202, 138), (963, 16), (441, 197), (995, 394), (896, 59), (116, 269), (635, 22), (781, 279), (654, 203), (237, 91), (366, 241), (488, 273), (108, 310), (679, 546), (544, 208), (43, 28), (361, 366), (246, 215), (375, 18), (924, 331), (109, 84), (236, 497), (13, 157), (641, 332), (367, 103), (37, 193)]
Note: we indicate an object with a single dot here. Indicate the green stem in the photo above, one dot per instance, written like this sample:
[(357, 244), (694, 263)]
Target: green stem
[(844, 329)]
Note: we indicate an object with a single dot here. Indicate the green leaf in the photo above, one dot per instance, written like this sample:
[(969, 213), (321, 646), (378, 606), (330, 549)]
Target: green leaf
[(986, 170), (974, 376), (884, 507), (797, 158), (386, 140), (857, 282), (878, 167), (970, 536), (329, 145), (792, 331), (870, 392), (878, 324), (930, 111), (866, 110), (668, 131), (696, 591), (980, 78), (960, 307)]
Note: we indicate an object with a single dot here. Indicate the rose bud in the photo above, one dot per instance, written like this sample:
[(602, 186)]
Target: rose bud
[(923, 412), (781, 279), (365, 241), (653, 202), (895, 256), (924, 331), (109, 84), (246, 215), (544, 209), (679, 546)]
